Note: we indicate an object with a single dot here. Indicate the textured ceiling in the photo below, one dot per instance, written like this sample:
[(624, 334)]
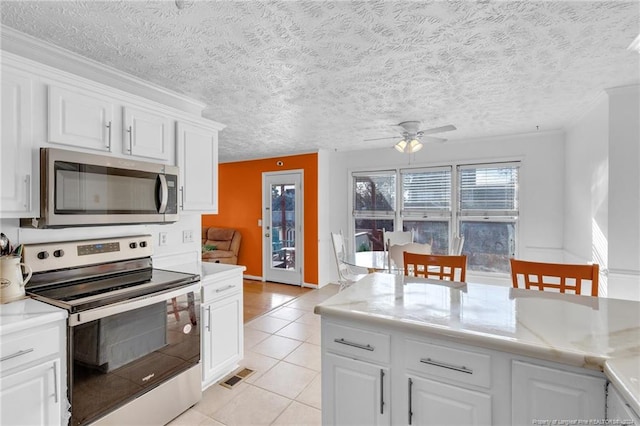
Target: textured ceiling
[(297, 76)]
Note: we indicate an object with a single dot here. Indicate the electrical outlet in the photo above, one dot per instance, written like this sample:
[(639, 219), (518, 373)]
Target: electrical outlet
[(187, 236), (163, 239)]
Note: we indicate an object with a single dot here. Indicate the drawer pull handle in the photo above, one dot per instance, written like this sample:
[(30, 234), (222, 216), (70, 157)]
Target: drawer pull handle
[(17, 354), (55, 381), (219, 290), (461, 369), (410, 413), (381, 391), (355, 345)]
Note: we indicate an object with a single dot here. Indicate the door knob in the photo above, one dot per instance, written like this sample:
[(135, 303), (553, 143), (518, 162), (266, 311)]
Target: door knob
[(266, 235)]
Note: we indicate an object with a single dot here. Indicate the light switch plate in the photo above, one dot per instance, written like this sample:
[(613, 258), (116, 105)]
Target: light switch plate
[(187, 236)]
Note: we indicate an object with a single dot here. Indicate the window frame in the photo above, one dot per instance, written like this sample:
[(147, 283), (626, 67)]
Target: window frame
[(455, 216)]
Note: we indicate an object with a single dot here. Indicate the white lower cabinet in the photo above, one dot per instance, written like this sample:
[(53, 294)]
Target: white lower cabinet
[(618, 410), (222, 325), (435, 403), (354, 392), (32, 396), (33, 382), (544, 393), (377, 375)]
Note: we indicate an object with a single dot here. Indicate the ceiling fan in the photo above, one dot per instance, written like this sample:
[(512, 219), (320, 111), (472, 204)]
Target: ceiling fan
[(412, 138)]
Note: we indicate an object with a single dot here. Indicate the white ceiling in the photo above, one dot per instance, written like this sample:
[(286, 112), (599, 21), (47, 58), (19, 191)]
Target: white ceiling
[(297, 76)]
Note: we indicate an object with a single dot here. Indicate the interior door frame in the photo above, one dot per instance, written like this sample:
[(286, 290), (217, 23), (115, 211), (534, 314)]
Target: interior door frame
[(290, 277)]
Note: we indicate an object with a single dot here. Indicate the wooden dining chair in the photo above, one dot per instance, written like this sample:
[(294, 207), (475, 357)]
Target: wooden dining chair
[(562, 277), (435, 266)]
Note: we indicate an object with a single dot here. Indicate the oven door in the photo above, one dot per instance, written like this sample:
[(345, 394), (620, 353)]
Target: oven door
[(122, 351)]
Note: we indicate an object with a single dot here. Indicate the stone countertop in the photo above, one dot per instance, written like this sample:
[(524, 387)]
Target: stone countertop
[(583, 331), (26, 313)]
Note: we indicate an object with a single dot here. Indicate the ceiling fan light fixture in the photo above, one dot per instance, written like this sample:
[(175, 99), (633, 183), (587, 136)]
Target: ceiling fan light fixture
[(401, 145), (414, 146)]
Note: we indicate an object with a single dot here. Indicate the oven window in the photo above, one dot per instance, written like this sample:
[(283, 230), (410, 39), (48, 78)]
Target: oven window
[(89, 189), (119, 357)]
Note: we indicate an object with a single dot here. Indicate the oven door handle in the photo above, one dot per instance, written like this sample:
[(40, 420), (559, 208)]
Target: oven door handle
[(131, 304)]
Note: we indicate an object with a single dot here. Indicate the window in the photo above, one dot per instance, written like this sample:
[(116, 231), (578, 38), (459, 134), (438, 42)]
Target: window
[(374, 200), (485, 213), (488, 211), (426, 206)]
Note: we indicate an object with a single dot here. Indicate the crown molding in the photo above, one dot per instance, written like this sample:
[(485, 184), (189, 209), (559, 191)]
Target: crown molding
[(32, 48)]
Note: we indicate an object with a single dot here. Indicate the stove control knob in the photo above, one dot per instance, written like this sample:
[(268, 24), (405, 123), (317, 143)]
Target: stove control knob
[(143, 244), (133, 245), (43, 255), (58, 253)]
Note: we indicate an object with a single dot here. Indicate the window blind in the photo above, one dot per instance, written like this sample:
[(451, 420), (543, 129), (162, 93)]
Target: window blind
[(488, 190), (426, 191)]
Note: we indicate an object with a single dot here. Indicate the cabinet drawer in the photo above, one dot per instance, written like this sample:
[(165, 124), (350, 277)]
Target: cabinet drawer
[(356, 342), (448, 363), (216, 289), (20, 349)]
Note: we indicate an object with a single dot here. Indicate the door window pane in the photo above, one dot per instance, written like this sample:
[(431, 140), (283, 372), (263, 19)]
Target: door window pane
[(283, 230)]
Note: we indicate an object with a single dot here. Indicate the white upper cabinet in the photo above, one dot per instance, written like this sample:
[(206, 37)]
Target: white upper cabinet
[(81, 119), (16, 148), (146, 134), (197, 157)]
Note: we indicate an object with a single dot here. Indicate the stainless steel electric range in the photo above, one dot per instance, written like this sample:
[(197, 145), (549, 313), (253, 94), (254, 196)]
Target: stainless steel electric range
[(133, 352)]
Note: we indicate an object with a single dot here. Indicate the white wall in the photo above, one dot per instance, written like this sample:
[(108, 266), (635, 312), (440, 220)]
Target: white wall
[(540, 233), (602, 205)]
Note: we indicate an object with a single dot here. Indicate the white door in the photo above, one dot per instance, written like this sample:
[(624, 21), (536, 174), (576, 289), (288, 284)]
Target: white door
[(146, 134), (354, 392), (80, 119), (16, 174), (543, 393), (282, 227), (32, 396), (435, 403)]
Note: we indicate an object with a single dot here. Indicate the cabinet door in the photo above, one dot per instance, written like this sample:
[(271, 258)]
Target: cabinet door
[(354, 392), (619, 410), (197, 157), (223, 337), (544, 393), (32, 396), (16, 147), (146, 134), (434, 403), (80, 119)]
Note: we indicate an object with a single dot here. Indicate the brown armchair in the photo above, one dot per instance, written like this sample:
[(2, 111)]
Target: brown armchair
[(226, 242)]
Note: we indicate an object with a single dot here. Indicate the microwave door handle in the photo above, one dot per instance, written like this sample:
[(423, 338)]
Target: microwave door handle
[(163, 193)]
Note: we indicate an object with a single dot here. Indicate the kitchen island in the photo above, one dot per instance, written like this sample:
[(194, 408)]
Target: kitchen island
[(404, 350)]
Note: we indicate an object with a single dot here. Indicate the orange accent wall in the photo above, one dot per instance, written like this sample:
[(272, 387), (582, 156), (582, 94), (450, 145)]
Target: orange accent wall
[(240, 207)]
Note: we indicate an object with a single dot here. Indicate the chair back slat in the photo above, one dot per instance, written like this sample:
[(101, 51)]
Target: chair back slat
[(435, 266), (559, 276)]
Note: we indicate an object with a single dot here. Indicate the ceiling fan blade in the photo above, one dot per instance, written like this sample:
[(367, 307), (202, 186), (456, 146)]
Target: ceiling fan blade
[(380, 139), (432, 139), (446, 128)]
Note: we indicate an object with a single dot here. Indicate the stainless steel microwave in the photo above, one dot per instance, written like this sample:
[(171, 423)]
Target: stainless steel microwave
[(78, 189)]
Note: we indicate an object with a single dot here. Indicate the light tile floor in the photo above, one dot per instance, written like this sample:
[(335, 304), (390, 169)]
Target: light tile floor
[(283, 349)]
